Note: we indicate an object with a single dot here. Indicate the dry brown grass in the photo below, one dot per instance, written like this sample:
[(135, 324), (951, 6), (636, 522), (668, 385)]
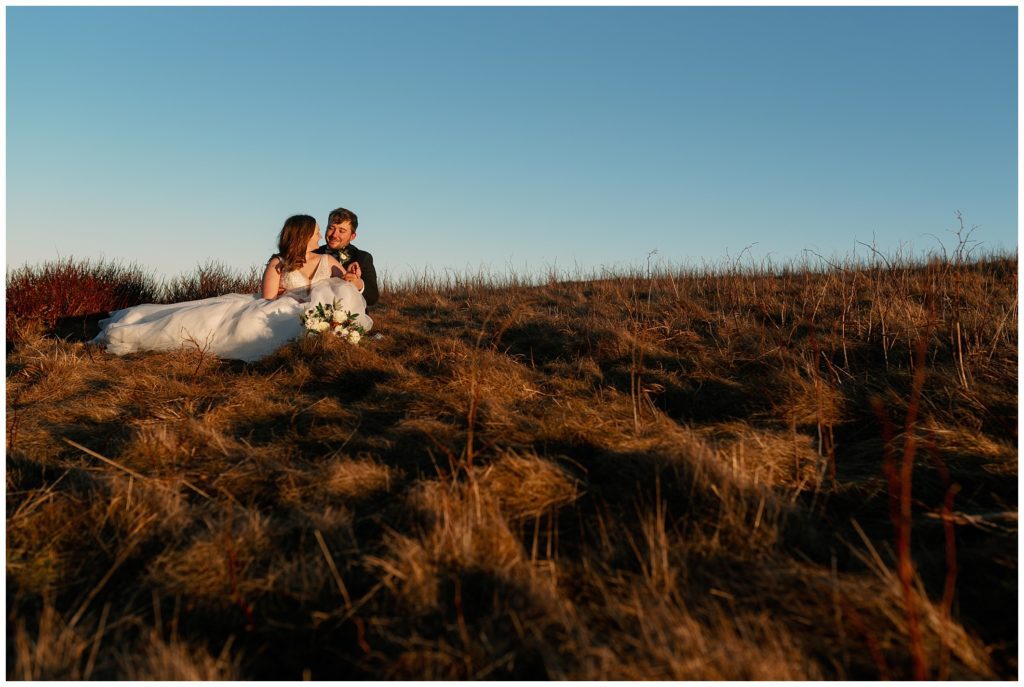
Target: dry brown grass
[(693, 474)]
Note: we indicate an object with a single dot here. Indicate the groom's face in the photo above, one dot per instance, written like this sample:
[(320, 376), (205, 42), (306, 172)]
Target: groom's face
[(340, 235)]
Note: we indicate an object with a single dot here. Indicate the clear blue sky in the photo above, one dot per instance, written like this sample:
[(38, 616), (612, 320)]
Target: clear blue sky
[(496, 137)]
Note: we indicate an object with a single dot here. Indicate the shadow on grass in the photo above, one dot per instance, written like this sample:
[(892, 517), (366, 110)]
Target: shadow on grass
[(78, 328)]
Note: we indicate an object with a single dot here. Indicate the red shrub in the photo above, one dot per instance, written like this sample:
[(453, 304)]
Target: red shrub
[(47, 293), (70, 288)]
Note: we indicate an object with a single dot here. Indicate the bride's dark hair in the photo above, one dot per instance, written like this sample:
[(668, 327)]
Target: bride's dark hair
[(292, 242)]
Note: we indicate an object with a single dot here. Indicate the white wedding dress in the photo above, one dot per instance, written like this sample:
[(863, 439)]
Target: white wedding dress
[(237, 326)]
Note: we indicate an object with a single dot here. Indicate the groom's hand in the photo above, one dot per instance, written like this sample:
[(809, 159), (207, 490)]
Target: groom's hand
[(353, 279), (354, 275)]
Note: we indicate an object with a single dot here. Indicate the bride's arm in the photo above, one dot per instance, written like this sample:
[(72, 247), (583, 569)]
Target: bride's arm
[(271, 279)]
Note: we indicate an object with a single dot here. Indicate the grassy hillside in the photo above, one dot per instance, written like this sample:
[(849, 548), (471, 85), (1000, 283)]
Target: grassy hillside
[(710, 474)]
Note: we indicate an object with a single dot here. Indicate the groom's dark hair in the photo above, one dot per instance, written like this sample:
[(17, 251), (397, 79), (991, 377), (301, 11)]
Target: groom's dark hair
[(340, 215)]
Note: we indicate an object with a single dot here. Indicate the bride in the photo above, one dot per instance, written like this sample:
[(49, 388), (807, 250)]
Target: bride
[(244, 326)]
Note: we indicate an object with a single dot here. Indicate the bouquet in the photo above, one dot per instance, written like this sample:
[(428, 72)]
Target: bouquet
[(329, 318)]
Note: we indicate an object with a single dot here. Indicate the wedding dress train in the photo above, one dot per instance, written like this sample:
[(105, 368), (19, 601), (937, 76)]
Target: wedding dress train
[(238, 326)]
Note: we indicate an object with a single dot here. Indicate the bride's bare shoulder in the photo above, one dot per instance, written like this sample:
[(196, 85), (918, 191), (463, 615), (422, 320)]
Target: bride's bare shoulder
[(336, 269)]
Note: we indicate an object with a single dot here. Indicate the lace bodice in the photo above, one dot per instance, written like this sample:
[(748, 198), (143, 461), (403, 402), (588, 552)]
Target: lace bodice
[(296, 281)]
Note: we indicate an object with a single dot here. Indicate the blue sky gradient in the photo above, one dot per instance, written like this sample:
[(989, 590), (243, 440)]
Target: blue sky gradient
[(501, 138)]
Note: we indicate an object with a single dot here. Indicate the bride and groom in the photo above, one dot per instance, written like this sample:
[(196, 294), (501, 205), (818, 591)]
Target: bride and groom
[(249, 326)]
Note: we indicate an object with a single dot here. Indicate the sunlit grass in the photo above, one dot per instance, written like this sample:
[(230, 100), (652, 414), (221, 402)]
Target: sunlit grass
[(665, 472)]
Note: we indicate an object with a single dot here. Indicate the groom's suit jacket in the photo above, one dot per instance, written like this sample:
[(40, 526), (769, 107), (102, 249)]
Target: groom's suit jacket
[(365, 260)]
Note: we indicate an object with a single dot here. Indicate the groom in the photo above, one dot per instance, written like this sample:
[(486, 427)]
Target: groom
[(358, 264)]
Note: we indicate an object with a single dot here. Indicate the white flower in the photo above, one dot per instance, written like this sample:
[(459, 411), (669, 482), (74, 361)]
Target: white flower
[(339, 316), (340, 332), (354, 336), (319, 326)]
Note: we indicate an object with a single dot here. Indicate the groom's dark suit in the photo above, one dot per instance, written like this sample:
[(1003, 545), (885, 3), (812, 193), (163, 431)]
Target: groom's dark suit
[(365, 260)]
